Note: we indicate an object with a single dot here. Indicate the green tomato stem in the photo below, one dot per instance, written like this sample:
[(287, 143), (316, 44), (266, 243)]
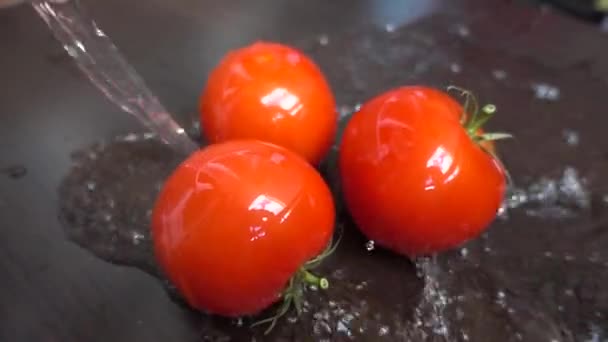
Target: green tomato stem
[(314, 280)]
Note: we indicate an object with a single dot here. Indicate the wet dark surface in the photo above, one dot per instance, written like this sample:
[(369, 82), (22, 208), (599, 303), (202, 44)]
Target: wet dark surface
[(539, 274)]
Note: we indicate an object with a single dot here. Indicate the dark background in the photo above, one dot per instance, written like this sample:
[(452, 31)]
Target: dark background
[(53, 290)]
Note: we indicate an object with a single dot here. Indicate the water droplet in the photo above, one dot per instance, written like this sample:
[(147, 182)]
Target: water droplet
[(131, 137), (464, 252), (560, 308), (544, 91), (569, 292), (571, 137), (455, 68), (370, 245), (389, 28), (338, 274), (463, 31), (137, 238), (548, 254), (324, 40), (107, 217), (569, 257), (149, 135), (465, 336), (384, 330), (91, 185), (459, 314), (499, 74), (487, 249), (180, 131), (519, 336), (341, 327), (501, 295), (361, 286)]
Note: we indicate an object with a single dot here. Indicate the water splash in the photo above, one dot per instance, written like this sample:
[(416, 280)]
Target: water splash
[(430, 312), (550, 197), (101, 62)]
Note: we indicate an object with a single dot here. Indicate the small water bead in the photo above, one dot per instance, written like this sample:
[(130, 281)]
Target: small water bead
[(569, 292), (370, 245), (137, 238), (324, 40), (149, 135), (339, 274), (131, 137), (362, 285), (239, 322), (455, 68), (571, 137), (499, 74), (389, 28), (548, 254), (341, 327), (463, 31), (569, 257), (91, 185), (464, 252), (544, 91), (383, 330)]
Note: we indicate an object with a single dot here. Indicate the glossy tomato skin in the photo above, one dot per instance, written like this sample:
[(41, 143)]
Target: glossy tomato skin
[(270, 92), (236, 220), (413, 180)]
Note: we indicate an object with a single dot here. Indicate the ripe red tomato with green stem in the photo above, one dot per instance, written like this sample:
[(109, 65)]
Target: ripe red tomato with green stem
[(270, 92), (418, 174), (240, 224)]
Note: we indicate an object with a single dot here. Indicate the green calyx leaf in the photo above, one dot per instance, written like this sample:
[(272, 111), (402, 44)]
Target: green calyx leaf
[(473, 118), (293, 295)]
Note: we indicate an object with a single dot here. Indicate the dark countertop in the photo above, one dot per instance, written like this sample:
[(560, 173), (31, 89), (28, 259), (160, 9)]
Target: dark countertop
[(547, 73)]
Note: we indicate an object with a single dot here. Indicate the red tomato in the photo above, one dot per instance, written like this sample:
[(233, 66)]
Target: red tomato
[(236, 220), (413, 179), (270, 92)]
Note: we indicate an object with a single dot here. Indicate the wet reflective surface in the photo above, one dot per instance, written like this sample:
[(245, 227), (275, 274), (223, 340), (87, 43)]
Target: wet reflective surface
[(539, 274)]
